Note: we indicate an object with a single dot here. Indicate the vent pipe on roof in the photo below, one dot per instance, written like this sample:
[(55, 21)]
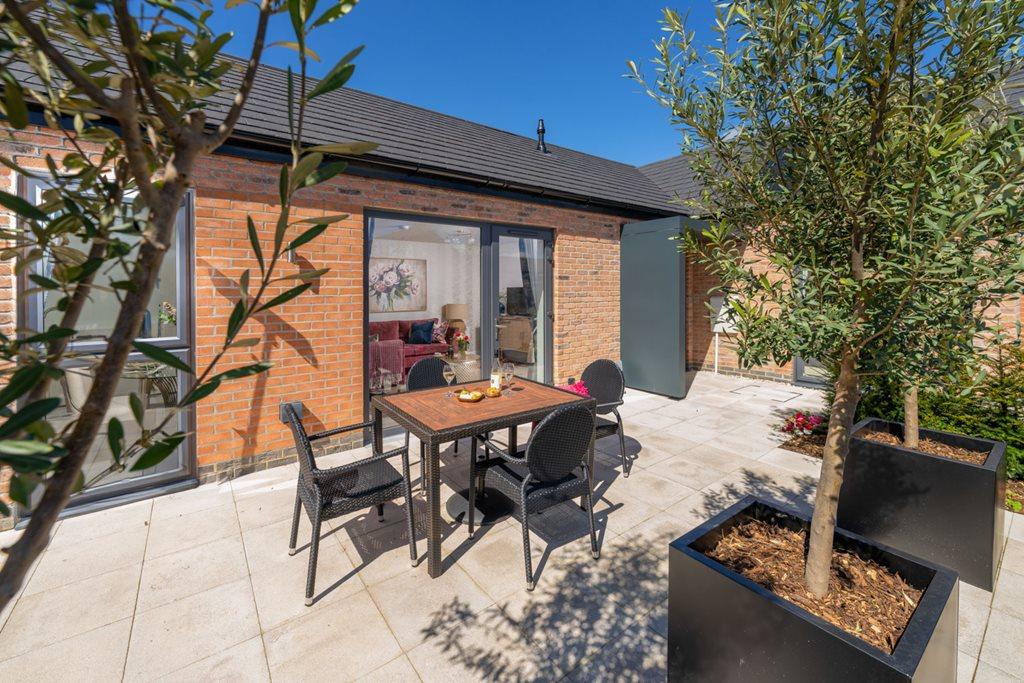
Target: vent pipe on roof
[(540, 137)]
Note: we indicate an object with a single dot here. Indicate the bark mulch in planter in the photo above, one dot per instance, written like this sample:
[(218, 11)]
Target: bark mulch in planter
[(865, 598), (931, 447), (1015, 491), (814, 446)]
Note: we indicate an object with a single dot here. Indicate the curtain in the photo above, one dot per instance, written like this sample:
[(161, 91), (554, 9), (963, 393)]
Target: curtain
[(531, 261)]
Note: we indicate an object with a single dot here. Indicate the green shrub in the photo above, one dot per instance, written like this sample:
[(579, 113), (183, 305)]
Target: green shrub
[(990, 408)]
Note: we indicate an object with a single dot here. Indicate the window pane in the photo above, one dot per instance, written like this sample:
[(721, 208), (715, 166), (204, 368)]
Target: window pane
[(100, 313), (155, 384), (522, 302), (421, 271)]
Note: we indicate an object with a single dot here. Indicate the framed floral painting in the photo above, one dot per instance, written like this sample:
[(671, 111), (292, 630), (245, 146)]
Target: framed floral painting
[(397, 285)]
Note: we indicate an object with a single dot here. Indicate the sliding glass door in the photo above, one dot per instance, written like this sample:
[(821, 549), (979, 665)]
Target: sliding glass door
[(521, 297), (428, 279)]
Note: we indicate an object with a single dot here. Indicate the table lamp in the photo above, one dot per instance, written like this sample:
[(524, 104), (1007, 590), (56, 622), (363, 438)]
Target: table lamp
[(456, 315)]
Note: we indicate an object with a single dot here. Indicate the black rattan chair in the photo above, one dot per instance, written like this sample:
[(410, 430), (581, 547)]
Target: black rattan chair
[(337, 491), (426, 374), (606, 384), (551, 469)]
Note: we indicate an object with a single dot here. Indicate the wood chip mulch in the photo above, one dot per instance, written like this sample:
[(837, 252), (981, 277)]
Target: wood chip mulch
[(931, 447), (865, 598), (1014, 491), (814, 446)]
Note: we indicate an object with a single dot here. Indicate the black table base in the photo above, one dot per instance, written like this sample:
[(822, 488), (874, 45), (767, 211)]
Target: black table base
[(491, 507)]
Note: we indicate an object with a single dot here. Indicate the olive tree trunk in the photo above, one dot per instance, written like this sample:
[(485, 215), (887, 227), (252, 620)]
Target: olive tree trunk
[(21, 555), (837, 445), (911, 419)]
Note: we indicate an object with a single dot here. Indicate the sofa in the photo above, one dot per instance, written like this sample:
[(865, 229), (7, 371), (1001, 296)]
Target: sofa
[(390, 331)]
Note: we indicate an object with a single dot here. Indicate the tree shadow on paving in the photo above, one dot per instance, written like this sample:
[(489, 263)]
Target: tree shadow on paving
[(582, 610), (797, 494)]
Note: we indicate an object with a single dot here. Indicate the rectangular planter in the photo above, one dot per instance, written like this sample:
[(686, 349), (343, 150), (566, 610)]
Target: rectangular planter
[(724, 627), (946, 511)]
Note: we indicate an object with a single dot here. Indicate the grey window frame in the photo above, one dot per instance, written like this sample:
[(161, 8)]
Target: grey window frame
[(489, 234), (29, 311), (31, 308)]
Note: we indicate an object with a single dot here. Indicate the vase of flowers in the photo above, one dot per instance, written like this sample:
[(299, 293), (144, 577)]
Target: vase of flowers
[(461, 340)]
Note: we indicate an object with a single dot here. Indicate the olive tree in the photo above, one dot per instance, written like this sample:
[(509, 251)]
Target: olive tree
[(130, 87), (849, 172)]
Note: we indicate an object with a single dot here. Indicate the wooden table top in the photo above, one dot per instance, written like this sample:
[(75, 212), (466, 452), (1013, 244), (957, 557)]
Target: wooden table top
[(430, 408)]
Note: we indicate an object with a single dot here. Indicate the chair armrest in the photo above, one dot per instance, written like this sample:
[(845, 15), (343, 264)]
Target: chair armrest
[(504, 454), (602, 408), (332, 472), (339, 430)]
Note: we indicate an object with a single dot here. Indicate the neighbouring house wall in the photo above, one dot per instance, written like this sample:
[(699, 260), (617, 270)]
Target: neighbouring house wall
[(700, 339)]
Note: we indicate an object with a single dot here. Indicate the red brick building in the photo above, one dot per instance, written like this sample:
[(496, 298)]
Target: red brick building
[(492, 217), (518, 237)]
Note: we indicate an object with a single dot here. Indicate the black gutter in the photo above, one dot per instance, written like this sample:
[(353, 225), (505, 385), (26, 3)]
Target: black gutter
[(384, 169), (377, 168)]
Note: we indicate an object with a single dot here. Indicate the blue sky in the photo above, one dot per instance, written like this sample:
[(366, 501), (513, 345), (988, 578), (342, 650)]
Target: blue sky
[(505, 64)]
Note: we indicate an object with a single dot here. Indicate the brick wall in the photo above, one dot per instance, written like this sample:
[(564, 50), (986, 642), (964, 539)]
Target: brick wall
[(315, 342), (700, 340)]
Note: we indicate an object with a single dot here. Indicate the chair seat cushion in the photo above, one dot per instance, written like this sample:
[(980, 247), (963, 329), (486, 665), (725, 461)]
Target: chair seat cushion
[(369, 480), (508, 478)]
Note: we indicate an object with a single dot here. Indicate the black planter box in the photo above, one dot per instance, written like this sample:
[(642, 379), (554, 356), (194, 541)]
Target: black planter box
[(946, 511), (723, 627)]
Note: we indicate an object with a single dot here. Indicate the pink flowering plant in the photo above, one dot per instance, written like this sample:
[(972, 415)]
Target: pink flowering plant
[(578, 387), (461, 340), (392, 282), (803, 423)]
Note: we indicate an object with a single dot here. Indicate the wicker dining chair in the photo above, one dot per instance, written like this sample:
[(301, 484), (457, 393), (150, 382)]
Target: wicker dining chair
[(552, 468), (606, 384), (330, 493), (426, 374)]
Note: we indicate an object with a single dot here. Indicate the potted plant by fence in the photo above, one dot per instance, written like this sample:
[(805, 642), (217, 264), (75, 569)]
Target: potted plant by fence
[(936, 494), (135, 122), (844, 165)]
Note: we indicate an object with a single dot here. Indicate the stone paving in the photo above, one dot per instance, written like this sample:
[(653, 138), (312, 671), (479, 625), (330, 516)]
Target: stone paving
[(199, 584)]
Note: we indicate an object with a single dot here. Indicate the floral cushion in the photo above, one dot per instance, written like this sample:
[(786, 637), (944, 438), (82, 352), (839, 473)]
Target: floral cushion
[(440, 330)]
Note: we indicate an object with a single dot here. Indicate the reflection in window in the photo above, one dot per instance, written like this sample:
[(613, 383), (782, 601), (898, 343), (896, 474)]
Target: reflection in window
[(98, 318), (97, 321), (157, 386)]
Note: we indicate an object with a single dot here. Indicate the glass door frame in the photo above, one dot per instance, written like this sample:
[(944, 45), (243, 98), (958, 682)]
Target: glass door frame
[(802, 378), (182, 345), (490, 234), (489, 297)]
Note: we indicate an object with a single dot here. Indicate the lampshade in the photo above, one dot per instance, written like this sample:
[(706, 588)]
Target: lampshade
[(455, 311)]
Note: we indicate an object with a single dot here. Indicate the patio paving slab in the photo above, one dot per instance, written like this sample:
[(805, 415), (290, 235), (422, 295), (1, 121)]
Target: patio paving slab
[(199, 585), (190, 629)]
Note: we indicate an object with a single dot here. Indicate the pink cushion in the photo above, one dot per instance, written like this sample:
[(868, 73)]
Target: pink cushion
[(388, 329), (405, 326)]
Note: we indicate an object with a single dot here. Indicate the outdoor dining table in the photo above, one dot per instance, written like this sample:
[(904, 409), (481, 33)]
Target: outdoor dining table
[(435, 419)]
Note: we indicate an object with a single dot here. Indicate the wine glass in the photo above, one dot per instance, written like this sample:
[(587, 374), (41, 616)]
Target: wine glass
[(448, 372), (508, 371)]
